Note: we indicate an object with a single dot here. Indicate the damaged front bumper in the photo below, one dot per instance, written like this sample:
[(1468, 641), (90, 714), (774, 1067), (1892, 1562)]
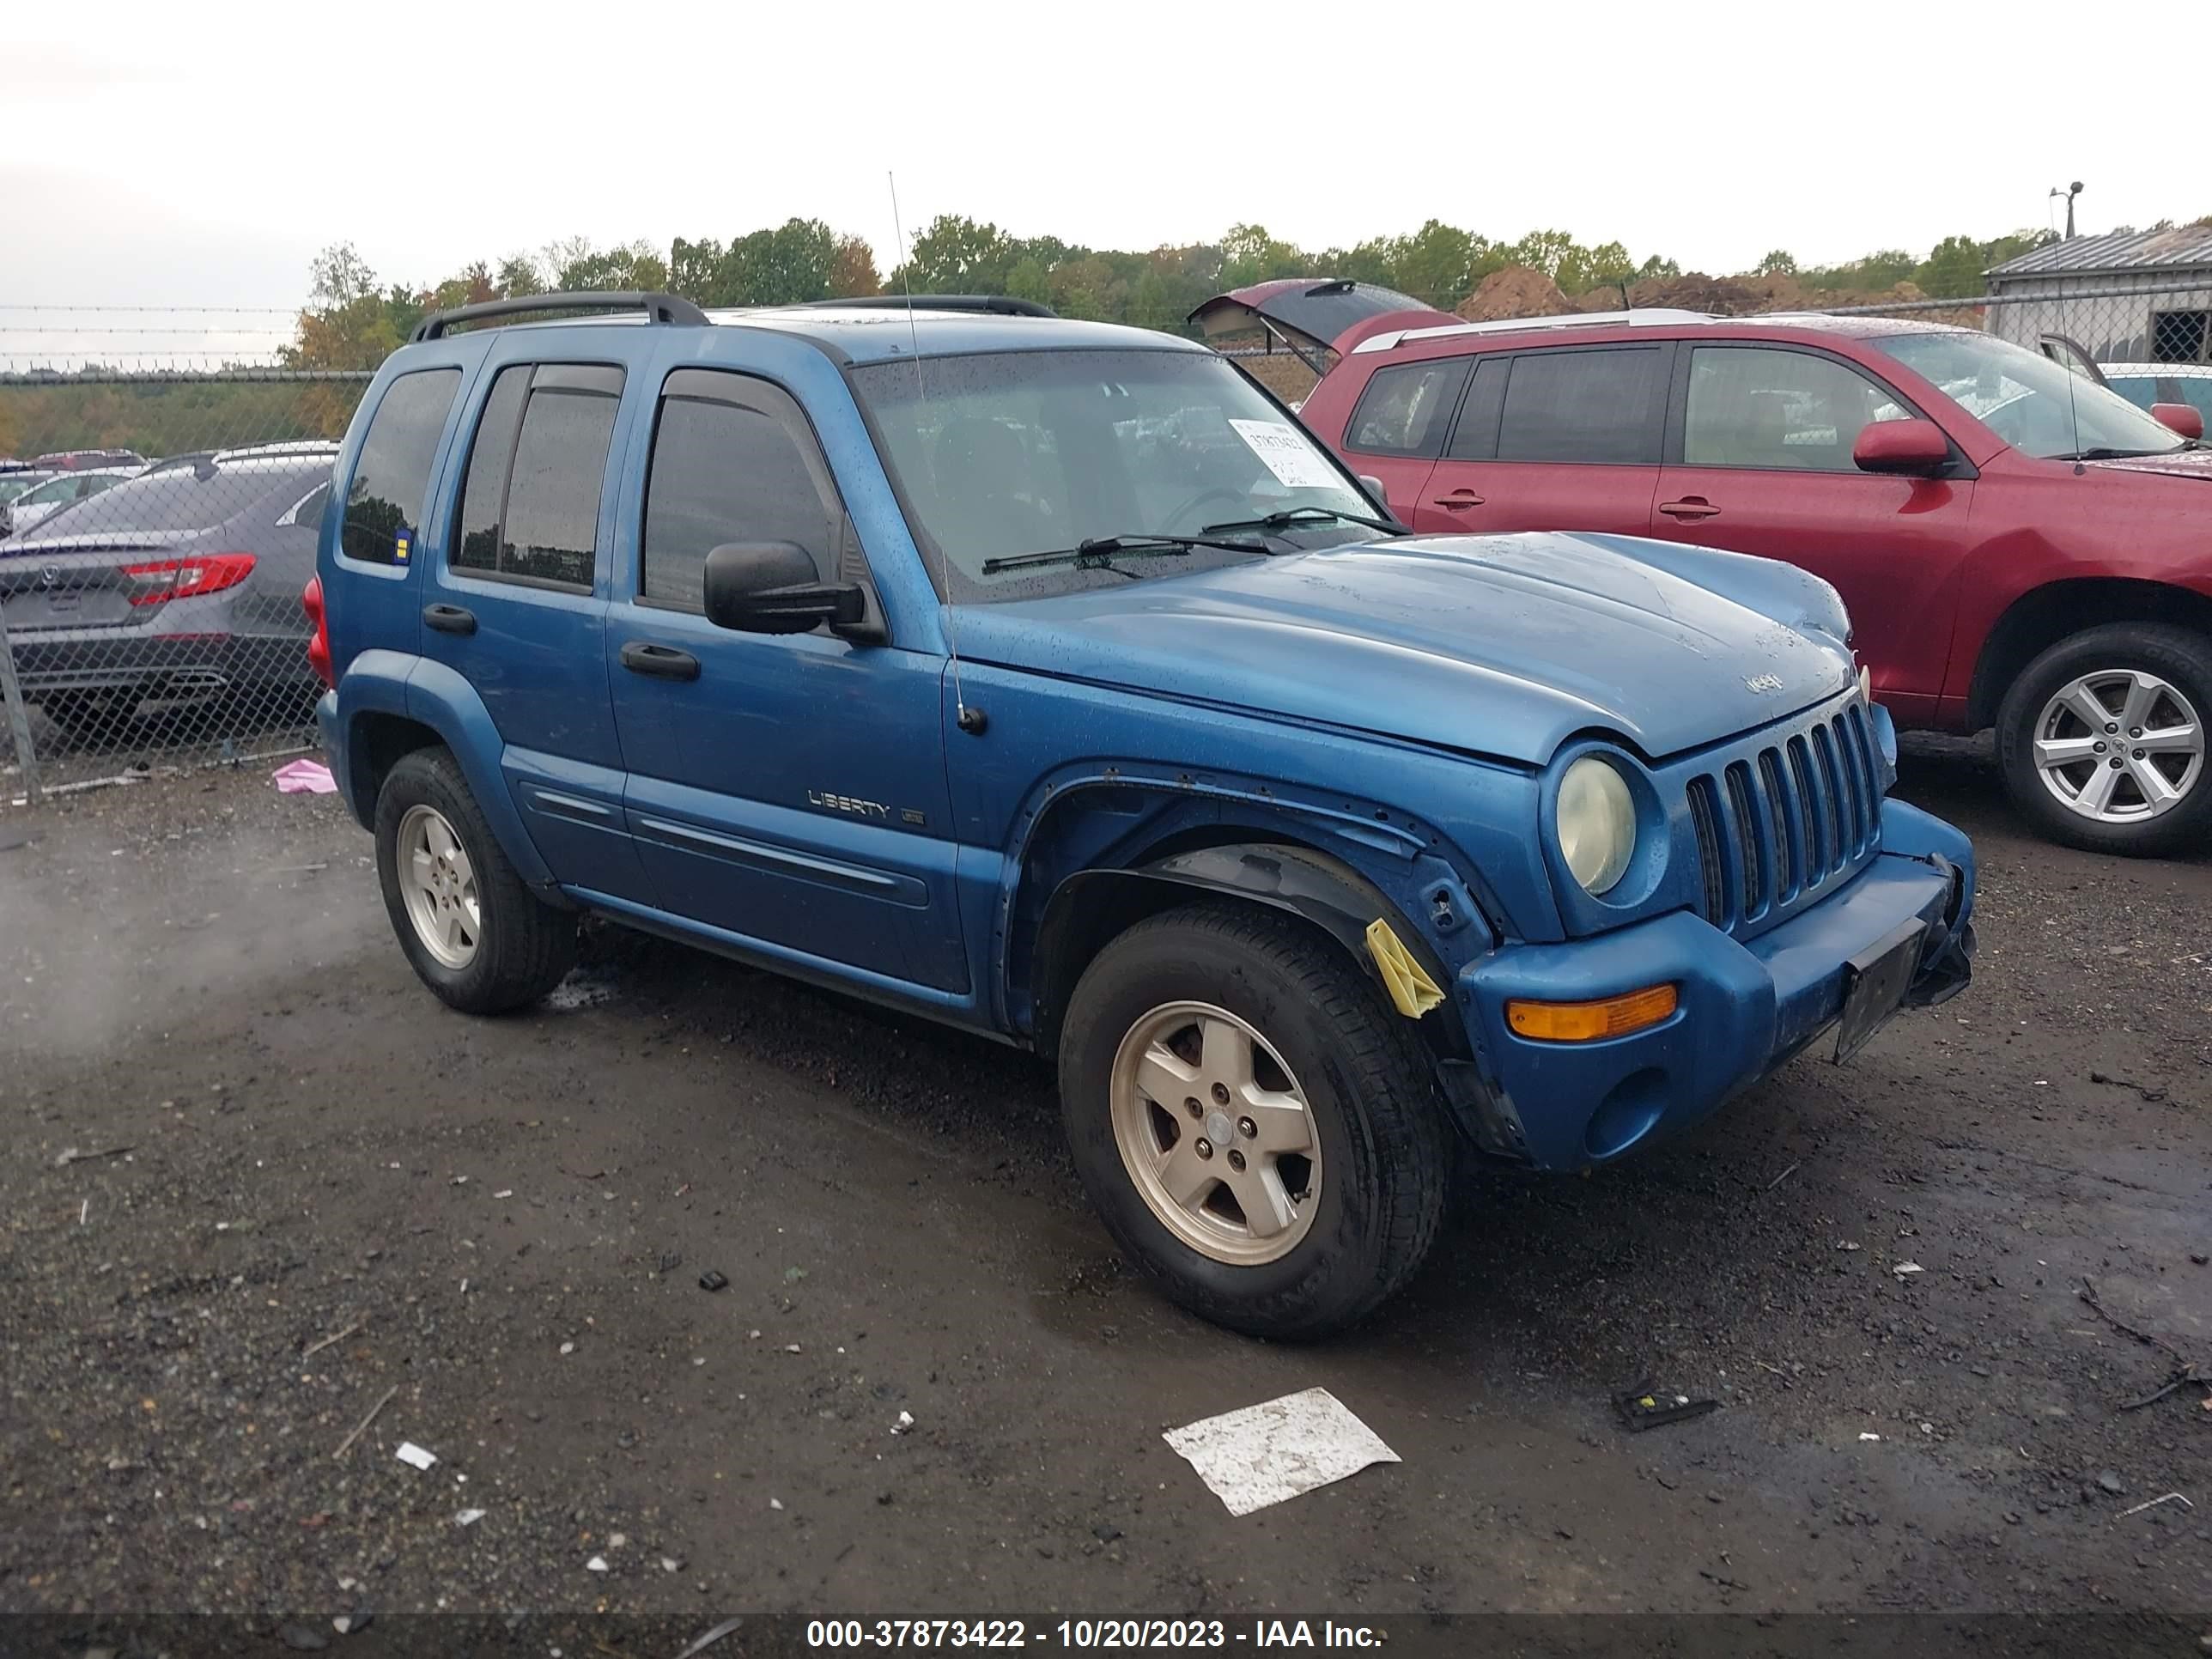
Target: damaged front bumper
[(1743, 1007)]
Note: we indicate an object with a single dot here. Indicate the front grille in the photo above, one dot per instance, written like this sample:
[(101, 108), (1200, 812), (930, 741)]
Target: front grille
[(1704, 817), (1779, 823)]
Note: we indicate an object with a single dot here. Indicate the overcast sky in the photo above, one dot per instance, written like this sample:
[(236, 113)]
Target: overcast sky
[(201, 154)]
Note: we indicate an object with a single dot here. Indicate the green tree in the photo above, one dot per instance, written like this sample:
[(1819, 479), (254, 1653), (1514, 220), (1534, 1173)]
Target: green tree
[(1952, 270), (957, 255), (853, 269), (1249, 254), (1778, 263)]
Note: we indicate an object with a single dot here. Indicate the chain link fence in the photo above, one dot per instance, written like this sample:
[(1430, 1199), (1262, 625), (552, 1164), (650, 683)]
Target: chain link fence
[(158, 514), (157, 526)]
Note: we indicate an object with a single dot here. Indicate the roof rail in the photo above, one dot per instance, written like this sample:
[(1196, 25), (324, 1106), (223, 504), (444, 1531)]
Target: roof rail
[(658, 308), (1642, 317), (997, 305)]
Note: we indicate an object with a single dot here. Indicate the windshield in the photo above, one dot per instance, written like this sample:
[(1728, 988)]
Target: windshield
[(1027, 451), (2031, 402), (178, 500), (12, 488)]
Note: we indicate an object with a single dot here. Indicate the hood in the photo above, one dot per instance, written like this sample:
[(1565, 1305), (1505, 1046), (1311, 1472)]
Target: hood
[(1320, 313), (1499, 645), (2181, 463)]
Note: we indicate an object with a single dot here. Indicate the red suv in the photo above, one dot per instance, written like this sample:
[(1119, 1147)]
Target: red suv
[(2019, 547)]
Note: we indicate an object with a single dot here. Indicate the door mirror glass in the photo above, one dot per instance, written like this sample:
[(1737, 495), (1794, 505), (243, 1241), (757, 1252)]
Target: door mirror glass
[(770, 587), (2184, 418), (1913, 448)]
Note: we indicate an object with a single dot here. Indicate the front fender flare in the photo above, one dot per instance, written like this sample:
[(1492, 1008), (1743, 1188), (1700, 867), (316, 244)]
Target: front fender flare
[(1089, 906)]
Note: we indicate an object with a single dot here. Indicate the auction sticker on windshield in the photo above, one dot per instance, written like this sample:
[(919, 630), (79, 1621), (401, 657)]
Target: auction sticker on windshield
[(1295, 462)]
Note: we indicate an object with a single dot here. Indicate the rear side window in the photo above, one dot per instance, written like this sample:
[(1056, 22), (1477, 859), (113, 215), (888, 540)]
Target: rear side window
[(530, 504), (1591, 406), (391, 477), (733, 460), (1406, 408)]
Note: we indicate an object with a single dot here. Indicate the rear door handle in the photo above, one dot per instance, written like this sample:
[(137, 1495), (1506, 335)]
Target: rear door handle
[(1690, 508), (1457, 501), (661, 662), (450, 618)]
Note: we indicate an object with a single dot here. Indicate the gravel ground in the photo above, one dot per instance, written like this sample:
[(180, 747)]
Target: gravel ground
[(257, 1189)]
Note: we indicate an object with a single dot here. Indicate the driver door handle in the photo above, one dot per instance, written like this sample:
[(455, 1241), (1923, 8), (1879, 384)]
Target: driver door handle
[(659, 662), (1690, 509), (1457, 501), (449, 619)]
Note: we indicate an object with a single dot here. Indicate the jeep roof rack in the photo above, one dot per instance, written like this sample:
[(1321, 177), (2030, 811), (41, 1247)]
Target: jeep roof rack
[(1640, 317), (657, 308), (997, 305)]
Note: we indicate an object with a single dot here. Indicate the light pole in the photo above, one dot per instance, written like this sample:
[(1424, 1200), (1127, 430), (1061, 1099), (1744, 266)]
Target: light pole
[(2070, 193)]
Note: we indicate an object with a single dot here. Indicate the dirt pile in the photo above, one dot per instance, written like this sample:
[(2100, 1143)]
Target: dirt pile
[(1519, 291), (1516, 291)]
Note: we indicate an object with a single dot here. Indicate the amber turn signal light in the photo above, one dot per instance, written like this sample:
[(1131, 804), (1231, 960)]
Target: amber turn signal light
[(1587, 1022)]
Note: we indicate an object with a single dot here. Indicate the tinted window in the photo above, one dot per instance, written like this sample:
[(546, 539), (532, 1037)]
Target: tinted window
[(392, 475), (1405, 408), (733, 461), (309, 515), (1582, 406), (1750, 406), (530, 504), (476, 537)]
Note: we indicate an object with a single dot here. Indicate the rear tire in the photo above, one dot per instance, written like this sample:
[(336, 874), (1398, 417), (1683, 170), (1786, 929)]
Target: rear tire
[(475, 934), (2136, 688), (1341, 1225)]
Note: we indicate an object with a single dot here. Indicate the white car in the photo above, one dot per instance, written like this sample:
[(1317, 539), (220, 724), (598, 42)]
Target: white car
[(2145, 384), (60, 491)]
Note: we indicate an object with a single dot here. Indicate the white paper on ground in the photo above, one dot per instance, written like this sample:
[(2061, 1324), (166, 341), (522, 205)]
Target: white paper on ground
[(409, 1452), (1267, 1452)]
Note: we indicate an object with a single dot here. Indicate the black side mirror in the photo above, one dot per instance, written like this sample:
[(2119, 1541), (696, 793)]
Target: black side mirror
[(770, 587)]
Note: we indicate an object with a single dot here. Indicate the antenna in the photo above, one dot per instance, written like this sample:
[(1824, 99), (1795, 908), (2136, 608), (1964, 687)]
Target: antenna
[(2066, 322), (970, 720)]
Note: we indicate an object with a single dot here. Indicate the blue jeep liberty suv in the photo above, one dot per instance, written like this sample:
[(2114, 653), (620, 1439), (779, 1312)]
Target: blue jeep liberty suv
[(1045, 678)]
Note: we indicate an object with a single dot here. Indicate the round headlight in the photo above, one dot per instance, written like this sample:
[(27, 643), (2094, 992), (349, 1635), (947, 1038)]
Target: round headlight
[(1597, 823)]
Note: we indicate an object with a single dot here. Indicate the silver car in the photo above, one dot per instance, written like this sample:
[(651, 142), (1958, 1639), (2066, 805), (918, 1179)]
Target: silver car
[(64, 489)]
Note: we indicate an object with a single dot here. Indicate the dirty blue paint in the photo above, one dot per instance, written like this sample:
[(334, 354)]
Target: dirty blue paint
[(1404, 706)]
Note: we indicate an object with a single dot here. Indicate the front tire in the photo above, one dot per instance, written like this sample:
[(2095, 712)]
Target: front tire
[(1258, 1131), (475, 934), (2102, 740)]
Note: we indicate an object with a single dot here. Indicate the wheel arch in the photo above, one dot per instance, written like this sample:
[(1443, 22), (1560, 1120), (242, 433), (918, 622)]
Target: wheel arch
[(2043, 616), (387, 716)]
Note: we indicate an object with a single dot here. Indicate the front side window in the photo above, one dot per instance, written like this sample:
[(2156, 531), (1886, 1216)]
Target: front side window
[(1009, 452), (392, 475), (530, 502), (733, 460), (2035, 404), (1407, 407), (1756, 406), (1592, 406)]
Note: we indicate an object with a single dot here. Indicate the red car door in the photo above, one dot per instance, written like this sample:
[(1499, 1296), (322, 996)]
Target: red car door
[(1397, 428), (1760, 462), (1554, 438)]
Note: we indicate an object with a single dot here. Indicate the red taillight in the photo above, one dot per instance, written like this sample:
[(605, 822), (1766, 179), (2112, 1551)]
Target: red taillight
[(163, 579), (318, 648)]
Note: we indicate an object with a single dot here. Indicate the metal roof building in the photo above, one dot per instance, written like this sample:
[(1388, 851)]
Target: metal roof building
[(2128, 296)]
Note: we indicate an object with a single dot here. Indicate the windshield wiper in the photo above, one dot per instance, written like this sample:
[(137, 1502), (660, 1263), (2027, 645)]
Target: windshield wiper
[(1298, 515), (2109, 454), (1096, 553)]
